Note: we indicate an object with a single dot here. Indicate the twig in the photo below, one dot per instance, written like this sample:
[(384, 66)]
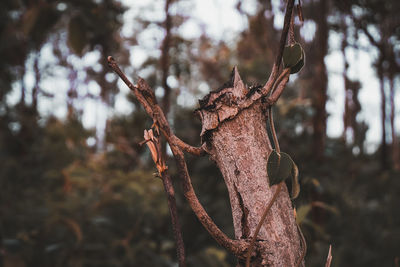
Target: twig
[(197, 151), (329, 258), (280, 85), (304, 246), (275, 68), (291, 31), (143, 93), (271, 124), (153, 143), (180, 246), (260, 223)]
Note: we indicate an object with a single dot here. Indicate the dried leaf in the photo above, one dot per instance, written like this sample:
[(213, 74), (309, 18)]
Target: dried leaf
[(302, 213)]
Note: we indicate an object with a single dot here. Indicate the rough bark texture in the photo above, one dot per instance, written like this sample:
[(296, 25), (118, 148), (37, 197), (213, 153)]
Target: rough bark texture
[(237, 139)]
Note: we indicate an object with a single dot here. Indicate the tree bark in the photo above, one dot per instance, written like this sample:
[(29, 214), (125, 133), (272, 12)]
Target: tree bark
[(237, 140)]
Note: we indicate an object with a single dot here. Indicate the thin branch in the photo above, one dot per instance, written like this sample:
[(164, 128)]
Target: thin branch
[(291, 40), (304, 246), (279, 86), (146, 97), (274, 73), (152, 141), (260, 223), (196, 151), (272, 126), (180, 246)]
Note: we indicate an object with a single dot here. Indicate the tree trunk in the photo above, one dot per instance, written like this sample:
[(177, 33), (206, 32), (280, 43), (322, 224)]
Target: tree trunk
[(395, 141), (320, 80), (165, 62), (383, 116), (237, 139)]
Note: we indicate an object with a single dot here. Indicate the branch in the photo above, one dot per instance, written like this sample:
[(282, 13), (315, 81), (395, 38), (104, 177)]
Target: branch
[(146, 97), (329, 258), (140, 93), (260, 223), (279, 86), (180, 246), (275, 68), (153, 143), (196, 151)]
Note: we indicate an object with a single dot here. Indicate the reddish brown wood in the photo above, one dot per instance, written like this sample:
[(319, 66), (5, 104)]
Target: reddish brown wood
[(237, 141)]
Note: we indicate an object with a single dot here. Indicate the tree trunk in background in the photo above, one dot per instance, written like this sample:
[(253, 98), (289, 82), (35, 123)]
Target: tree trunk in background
[(383, 115), (238, 143), (165, 66), (346, 86), (320, 79), (395, 141), (35, 89)]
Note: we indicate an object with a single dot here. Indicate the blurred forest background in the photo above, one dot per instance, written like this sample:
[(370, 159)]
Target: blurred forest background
[(73, 195)]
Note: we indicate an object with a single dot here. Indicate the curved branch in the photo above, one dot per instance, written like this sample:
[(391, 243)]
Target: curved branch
[(196, 151), (279, 86), (146, 97)]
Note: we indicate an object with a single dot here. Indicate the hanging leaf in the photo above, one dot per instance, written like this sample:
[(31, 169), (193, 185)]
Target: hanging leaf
[(293, 57), (279, 166)]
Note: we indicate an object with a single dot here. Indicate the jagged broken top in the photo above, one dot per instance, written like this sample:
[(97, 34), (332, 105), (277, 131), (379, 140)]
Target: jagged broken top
[(225, 102)]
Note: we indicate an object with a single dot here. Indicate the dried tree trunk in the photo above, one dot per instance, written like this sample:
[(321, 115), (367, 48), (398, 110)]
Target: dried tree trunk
[(238, 142)]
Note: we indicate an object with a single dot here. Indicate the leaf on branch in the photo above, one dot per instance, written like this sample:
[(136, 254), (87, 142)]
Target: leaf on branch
[(279, 167), (293, 57)]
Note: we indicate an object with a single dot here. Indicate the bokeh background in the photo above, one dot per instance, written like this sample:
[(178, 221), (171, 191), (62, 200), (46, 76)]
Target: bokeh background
[(77, 189)]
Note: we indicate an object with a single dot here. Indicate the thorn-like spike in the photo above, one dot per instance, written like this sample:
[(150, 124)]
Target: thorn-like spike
[(236, 76), (239, 89)]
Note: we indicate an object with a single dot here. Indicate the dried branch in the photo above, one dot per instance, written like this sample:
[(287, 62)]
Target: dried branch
[(180, 246), (329, 258), (304, 246), (146, 97), (196, 151), (140, 93), (279, 86), (253, 240), (154, 145)]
